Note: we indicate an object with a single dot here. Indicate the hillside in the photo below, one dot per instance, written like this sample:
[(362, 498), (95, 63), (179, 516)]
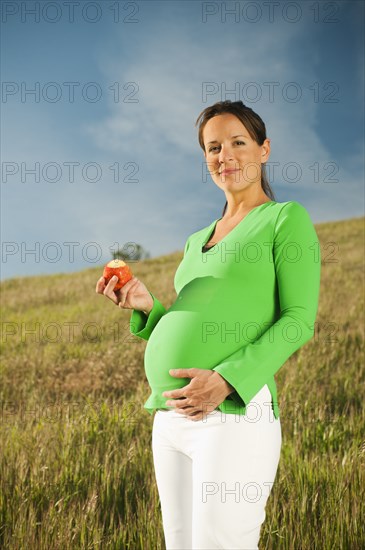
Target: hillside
[(76, 440)]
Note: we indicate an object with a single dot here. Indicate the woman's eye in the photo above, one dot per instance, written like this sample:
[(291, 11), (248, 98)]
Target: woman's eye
[(212, 148)]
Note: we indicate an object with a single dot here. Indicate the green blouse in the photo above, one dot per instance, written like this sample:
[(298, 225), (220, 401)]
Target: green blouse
[(243, 307)]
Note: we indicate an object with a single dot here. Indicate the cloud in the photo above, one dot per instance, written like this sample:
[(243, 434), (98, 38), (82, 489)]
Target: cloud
[(169, 55)]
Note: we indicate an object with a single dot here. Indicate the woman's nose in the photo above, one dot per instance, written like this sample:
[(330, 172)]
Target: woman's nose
[(225, 155)]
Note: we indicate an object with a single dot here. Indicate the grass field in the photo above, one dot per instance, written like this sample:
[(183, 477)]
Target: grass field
[(76, 459)]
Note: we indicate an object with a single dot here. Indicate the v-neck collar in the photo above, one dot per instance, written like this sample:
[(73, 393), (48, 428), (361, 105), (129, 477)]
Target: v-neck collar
[(212, 226)]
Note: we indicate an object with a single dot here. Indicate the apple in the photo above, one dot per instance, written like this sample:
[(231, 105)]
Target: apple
[(120, 269)]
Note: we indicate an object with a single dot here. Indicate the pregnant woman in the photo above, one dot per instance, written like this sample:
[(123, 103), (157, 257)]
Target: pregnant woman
[(247, 297)]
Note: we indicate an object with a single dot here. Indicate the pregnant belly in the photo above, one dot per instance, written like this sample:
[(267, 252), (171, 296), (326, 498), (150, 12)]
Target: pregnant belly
[(173, 344), (184, 340), (203, 327)]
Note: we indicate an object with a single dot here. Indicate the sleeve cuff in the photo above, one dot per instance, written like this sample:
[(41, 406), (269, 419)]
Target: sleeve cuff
[(239, 396), (142, 325)]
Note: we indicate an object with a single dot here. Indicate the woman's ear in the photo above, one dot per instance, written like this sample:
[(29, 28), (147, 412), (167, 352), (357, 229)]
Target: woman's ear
[(265, 150)]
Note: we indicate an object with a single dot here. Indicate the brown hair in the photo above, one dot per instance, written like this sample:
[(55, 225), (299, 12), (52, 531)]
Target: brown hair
[(252, 122)]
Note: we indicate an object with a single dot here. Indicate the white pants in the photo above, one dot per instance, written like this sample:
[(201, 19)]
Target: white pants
[(215, 475)]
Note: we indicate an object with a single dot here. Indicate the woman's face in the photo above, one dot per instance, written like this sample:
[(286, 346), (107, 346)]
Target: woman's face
[(233, 149)]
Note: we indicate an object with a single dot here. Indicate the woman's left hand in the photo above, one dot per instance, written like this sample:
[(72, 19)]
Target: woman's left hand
[(202, 395)]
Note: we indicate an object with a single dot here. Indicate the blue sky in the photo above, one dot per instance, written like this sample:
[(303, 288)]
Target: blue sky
[(163, 55)]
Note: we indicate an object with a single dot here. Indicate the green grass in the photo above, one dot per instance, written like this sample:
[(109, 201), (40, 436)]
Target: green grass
[(76, 458)]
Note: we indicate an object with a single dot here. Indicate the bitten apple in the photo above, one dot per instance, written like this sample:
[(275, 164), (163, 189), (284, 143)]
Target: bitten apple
[(120, 269)]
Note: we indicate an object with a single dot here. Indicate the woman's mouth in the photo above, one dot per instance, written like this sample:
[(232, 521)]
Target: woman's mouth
[(226, 172)]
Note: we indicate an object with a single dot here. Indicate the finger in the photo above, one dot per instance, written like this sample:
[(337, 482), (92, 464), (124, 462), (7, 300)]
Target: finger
[(124, 291), (182, 411), (109, 290), (179, 407), (111, 283), (131, 281), (174, 394), (195, 416), (100, 285), (130, 284)]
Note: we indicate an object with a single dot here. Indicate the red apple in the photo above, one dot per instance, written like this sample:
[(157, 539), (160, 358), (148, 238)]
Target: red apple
[(120, 269)]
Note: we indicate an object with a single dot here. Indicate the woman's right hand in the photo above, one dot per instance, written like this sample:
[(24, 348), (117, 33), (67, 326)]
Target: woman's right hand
[(133, 295)]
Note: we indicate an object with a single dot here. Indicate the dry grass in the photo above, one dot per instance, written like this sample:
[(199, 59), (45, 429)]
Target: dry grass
[(76, 458)]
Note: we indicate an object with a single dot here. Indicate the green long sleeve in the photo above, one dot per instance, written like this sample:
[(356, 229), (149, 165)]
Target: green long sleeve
[(297, 264), (142, 325)]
